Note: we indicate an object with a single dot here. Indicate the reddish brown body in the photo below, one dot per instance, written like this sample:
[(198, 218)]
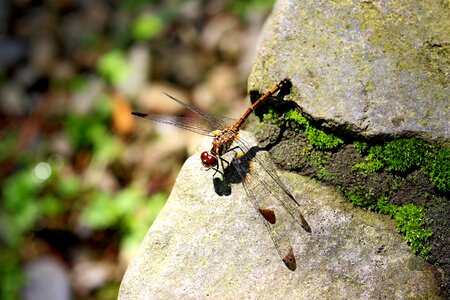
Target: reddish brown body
[(224, 138)]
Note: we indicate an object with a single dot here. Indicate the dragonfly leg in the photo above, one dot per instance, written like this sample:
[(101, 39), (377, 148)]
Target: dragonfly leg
[(216, 170), (223, 162)]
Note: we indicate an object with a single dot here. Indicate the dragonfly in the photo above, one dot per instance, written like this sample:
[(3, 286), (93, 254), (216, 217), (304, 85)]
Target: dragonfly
[(258, 188)]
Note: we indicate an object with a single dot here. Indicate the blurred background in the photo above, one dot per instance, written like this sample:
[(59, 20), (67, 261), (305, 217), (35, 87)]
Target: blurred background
[(81, 180)]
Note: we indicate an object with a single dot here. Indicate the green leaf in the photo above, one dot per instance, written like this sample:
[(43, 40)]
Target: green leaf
[(147, 26), (11, 275), (19, 189), (51, 206), (113, 66), (101, 212), (69, 186)]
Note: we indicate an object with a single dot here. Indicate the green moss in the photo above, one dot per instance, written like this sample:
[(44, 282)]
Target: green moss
[(320, 160), (384, 207), (361, 147), (403, 155), (293, 115), (322, 140), (374, 161), (439, 170), (409, 219), (272, 116), (359, 196), (410, 222), (318, 138), (370, 86)]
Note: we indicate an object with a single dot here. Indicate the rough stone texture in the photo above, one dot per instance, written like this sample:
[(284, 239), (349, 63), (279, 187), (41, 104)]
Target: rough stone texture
[(203, 245), (370, 67)]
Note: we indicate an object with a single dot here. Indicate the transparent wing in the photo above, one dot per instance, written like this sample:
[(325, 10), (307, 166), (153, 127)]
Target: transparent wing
[(203, 125), (284, 196), (272, 199), (216, 122), (272, 218), (199, 126)]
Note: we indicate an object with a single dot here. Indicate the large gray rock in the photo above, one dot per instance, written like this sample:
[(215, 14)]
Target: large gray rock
[(371, 67), (203, 245)]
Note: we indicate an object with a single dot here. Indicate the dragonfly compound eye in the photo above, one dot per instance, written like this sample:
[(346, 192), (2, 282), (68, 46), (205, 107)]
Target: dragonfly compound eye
[(208, 160)]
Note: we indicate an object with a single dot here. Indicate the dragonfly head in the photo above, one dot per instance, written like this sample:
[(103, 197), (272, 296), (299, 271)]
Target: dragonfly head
[(208, 160)]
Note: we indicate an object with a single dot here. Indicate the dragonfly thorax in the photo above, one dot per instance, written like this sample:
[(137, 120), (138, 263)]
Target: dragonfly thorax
[(220, 145), (222, 141)]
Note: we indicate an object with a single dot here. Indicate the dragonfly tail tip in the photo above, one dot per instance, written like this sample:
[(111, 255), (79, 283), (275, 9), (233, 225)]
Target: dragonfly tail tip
[(138, 114), (289, 260)]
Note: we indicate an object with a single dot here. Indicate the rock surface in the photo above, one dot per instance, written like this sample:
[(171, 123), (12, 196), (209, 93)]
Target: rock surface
[(203, 245), (375, 68)]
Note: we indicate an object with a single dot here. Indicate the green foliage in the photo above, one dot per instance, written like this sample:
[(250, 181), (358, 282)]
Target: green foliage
[(113, 66), (92, 131), (136, 224), (7, 144), (26, 198), (439, 170), (101, 211), (243, 9), (20, 208), (11, 276), (128, 210), (69, 186), (147, 26), (77, 83), (133, 4)]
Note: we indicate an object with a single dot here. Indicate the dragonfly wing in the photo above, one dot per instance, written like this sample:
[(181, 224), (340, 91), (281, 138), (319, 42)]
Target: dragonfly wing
[(215, 122), (204, 125), (273, 218), (196, 125), (278, 189)]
